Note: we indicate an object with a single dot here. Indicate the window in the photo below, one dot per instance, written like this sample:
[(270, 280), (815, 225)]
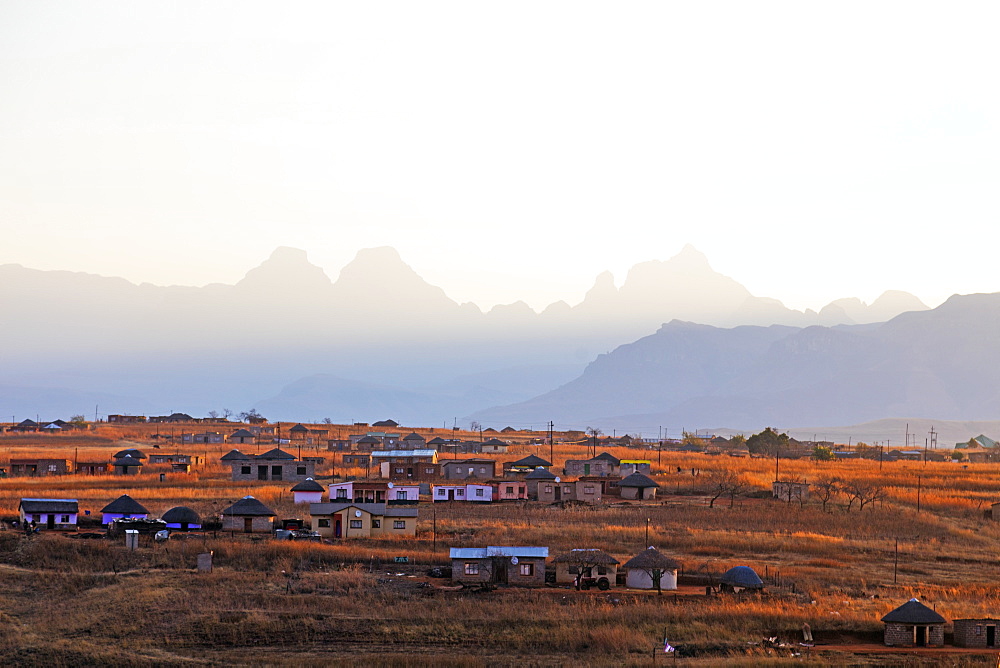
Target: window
[(376, 524), (526, 570), (429, 471), (324, 522), (548, 489), (245, 470), (275, 473), (510, 489), (472, 569), (341, 493), (459, 492), (52, 468), (588, 489), (399, 469), (479, 491), (441, 492), (300, 470), (399, 524), (401, 495), (602, 570), (356, 524)]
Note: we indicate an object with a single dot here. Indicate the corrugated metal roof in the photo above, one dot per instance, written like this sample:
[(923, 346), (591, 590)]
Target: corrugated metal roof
[(499, 551)]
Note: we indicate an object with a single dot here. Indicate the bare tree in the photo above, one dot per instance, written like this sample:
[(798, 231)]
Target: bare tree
[(213, 414), (826, 490), (227, 413), (327, 421), (726, 483), (865, 493)]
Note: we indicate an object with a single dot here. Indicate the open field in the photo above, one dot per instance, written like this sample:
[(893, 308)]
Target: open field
[(85, 602)]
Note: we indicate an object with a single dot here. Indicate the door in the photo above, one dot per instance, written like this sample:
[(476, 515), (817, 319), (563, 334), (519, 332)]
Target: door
[(50, 521), (409, 472), (261, 473), (991, 636), (921, 636), (499, 574), (586, 469), (558, 492), (247, 525), (337, 526)]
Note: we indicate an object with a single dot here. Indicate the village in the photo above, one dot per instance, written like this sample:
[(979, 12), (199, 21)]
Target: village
[(677, 529)]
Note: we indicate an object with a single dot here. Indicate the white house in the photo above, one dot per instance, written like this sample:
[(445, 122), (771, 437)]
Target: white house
[(50, 514), (308, 491), (467, 492), (124, 507)]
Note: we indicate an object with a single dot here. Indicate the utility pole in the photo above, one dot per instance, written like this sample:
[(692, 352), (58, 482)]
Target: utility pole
[(933, 438), (551, 443), (895, 562), (647, 532), (918, 494)]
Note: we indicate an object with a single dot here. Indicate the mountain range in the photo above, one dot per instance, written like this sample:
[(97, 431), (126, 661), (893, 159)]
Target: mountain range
[(295, 344)]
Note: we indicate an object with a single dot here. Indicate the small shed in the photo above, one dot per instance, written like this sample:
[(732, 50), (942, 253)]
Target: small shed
[(976, 632), (248, 515), (308, 491), (638, 486), (739, 578), (124, 507), (589, 566), (182, 518), (913, 624), (242, 436), (790, 490), (642, 569)]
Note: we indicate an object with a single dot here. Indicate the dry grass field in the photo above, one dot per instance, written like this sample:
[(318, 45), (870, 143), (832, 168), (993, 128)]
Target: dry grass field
[(91, 602)]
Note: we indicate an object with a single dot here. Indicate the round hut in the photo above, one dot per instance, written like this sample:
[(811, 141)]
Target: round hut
[(182, 518), (739, 578), (642, 570)]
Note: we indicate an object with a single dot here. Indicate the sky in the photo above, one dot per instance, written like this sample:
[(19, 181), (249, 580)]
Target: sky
[(509, 151)]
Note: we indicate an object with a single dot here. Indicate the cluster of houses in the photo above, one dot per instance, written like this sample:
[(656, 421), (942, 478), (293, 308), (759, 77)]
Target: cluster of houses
[(584, 568), (63, 514), (123, 462)]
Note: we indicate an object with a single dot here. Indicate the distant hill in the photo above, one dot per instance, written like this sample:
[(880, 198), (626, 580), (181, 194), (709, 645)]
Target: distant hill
[(202, 348), (925, 363)]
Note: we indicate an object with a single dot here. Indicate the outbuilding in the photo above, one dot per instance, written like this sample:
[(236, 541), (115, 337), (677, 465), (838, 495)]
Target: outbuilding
[(308, 491), (124, 507), (638, 486), (643, 569), (913, 624), (739, 578), (248, 515), (976, 632), (182, 518)]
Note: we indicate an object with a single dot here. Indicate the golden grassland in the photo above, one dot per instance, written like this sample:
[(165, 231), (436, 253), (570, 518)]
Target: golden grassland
[(86, 602)]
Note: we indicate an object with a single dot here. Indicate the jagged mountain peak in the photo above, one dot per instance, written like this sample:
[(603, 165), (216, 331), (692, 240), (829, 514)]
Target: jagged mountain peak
[(286, 270)]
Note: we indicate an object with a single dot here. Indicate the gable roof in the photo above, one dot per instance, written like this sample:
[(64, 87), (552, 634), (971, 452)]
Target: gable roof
[(249, 506), (913, 612), (414, 437), (652, 558), (586, 556), (299, 428), (125, 505), (540, 474), (242, 433), (608, 457), (742, 576), (49, 505), (276, 453), (638, 480), (369, 439), (494, 441), (385, 423)]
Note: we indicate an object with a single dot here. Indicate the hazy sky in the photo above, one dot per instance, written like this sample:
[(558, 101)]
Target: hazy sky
[(508, 150)]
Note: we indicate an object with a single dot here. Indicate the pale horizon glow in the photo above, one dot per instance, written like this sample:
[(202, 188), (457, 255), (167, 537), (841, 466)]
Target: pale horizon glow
[(508, 152)]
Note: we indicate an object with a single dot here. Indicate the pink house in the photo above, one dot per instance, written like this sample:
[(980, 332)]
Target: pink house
[(509, 490)]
